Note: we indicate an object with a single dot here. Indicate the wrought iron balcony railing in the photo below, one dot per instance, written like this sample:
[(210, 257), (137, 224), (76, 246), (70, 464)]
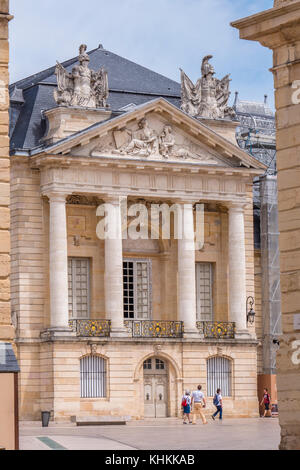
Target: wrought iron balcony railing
[(216, 329), (154, 329), (90, 327)]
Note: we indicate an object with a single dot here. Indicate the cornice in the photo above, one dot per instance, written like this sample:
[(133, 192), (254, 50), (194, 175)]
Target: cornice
[(273, 27), (208, 137), (143, 165)]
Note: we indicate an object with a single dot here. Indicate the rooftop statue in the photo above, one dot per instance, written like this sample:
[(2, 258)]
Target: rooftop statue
[(82, 87), (209, 97)]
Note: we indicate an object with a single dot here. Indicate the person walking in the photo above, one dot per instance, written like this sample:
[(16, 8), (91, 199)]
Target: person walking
[(266, 400), (186, 404), (198, 402), (218, 402)]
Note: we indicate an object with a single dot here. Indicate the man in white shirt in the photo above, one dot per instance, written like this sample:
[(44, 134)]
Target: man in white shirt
[(198, 402)]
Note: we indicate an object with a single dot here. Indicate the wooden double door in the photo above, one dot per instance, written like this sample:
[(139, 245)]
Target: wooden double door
[(155, 388)]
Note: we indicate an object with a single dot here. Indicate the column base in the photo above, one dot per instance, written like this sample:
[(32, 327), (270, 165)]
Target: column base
[(242, 334), (57, 332), (191, 333), (121, 332)]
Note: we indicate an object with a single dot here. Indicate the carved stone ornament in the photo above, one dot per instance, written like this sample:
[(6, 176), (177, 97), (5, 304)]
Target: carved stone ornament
[(279, 3), (75, 199), (146, 142), (82, 87), (209, 97)]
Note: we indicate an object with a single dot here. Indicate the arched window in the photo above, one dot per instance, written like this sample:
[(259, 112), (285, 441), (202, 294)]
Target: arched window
[(93, 378), (219, 373)]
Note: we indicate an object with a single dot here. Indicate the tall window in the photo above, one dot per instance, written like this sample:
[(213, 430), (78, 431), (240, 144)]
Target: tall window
[(136, 283), (219, 375), (93, 377), (79, 291), (204, 300)]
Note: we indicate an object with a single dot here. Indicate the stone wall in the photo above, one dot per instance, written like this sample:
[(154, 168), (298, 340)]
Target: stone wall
[(279, 30), (6, 330), (52, 373)]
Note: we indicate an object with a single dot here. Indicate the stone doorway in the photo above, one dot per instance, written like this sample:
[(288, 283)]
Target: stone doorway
[(155, 388)]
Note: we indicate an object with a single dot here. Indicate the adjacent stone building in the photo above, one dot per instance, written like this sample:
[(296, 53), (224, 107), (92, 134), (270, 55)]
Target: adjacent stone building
[(279, 30), (257, 135), (9, 438), (6, 330), (122, 326)]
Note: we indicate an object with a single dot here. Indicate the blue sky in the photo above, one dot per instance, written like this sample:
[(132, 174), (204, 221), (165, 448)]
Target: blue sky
[(162, 35)]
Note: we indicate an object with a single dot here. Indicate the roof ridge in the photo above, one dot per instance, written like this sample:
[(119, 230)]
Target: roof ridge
[(139, 65)]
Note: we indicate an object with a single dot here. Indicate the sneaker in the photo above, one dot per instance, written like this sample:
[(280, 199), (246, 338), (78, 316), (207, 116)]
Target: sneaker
[(213, 417)]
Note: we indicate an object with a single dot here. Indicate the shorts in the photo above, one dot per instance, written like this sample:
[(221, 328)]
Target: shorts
[(187, 409)]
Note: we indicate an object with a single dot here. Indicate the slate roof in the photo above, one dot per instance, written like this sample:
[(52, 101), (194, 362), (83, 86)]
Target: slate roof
[(128, 83), (8, 361)]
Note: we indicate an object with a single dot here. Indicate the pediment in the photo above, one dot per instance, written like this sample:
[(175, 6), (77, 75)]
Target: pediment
[(156, 131), (154, 138)]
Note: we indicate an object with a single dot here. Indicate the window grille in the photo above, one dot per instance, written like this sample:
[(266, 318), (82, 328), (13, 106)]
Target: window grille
[(78, 287), (204, 301), (219, 375), (136, 284), (93, 377)]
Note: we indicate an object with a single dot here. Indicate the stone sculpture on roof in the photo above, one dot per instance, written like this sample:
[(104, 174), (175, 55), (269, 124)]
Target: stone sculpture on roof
[(82, 87), (209, 97)]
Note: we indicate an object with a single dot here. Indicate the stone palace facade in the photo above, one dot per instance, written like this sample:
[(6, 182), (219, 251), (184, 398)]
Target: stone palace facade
[(121, 326)]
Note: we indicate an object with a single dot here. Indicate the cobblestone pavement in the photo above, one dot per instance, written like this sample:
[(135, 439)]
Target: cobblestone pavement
[(159, 434)]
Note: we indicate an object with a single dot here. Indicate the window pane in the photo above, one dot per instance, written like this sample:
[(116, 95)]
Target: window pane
[(78, 286), (204, 292), (136, 293)]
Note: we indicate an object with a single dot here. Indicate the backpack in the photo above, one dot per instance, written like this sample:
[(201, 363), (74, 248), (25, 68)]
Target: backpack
[(216, 400), (184, 402)]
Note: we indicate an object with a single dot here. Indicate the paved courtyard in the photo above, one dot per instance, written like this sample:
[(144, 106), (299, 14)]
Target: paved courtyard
[(159, 434)]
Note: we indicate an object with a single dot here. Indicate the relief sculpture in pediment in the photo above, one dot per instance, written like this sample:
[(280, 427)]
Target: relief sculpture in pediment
[(147, 142), (142, 142)]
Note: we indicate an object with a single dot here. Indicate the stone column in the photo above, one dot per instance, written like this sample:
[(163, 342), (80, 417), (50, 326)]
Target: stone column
[(186, 272), (279, 30), (58, 262), (114, 267), (237, 268)]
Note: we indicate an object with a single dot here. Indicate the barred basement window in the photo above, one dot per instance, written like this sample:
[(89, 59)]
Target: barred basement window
[(204, 301), (219, 376), (93, 377), (79, 287), (136, 289)]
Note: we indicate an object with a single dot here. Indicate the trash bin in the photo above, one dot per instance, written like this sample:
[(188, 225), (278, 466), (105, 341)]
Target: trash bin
[(45, 418)]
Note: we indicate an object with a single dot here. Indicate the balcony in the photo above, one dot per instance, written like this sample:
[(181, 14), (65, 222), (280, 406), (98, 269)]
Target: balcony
[(216, 330), (154, 328), (99, 328)]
